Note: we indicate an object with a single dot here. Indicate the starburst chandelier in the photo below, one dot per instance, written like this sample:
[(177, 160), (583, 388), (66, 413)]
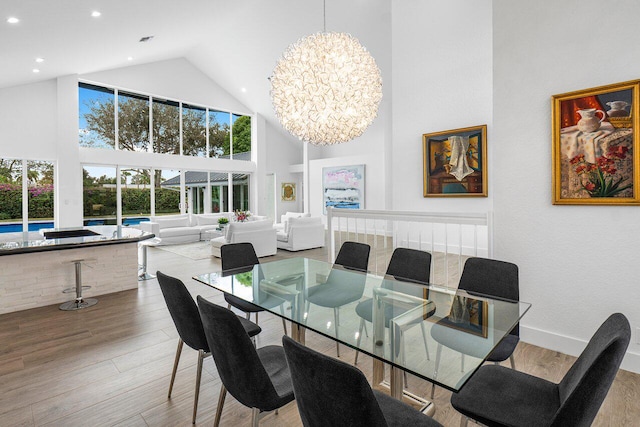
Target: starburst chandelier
[(326, 88)]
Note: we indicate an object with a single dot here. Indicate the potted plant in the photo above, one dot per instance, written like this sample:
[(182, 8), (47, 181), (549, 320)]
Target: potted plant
[(222, 222)]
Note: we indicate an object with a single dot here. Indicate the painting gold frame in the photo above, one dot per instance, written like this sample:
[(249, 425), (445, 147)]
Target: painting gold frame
[(288, 192), (595, 153), (447, 174)]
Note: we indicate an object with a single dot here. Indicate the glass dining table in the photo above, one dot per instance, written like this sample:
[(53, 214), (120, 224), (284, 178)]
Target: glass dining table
[(407, 320)]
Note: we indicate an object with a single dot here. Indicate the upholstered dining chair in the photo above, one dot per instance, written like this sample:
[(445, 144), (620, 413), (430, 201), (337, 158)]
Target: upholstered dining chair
[(411, 266), (186, 318), (237, 255), (257, 378), (494, 278), (498, 396), (341, 289), (330, 392)]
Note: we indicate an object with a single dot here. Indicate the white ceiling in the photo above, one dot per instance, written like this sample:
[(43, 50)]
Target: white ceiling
[(235, 42)]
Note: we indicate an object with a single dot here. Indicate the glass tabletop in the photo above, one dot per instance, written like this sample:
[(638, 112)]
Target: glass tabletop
[(435, 332)]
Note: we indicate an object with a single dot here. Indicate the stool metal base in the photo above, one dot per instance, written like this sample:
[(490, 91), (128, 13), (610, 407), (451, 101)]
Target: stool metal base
[(145, 276), (77, 305)]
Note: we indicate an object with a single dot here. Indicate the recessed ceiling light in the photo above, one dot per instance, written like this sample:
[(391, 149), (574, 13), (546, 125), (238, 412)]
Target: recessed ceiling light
[(13, 20), (38, 60), (243, 89), (129, 58), (95, 14), (35, 70)]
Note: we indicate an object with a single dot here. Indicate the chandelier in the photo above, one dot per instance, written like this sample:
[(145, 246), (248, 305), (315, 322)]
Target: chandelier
[(326, 88)]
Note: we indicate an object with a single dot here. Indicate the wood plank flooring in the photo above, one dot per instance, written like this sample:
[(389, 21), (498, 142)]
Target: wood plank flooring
[(110, 365)]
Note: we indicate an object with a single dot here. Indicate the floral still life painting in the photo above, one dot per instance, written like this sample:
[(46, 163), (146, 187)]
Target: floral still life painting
[(595, 139)]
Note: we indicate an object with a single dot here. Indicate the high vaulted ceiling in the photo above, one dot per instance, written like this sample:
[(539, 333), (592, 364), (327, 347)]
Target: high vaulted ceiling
[(235, 42)]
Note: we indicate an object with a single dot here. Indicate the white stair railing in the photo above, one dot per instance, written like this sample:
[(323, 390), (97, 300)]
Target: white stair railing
[(451, 238)]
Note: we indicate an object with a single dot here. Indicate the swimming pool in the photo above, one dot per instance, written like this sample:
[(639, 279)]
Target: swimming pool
[(16, 227)]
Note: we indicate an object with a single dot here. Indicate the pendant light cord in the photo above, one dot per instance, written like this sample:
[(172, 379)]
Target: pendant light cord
[(324, 14)]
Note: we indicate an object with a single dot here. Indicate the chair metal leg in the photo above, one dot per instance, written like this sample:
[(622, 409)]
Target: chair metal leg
[(175, 366), (365, 330), (435, 371), (201, 356), (223, 394), (358, 340), (248, 316), (255, 417), (464, 421), (229, 306), (336, 321), (284, 323), (462, 362), (424, 336), (256, 317), (513, 362)]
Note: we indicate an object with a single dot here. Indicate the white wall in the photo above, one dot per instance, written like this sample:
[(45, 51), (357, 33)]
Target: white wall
[(578, 264), (442, 79), (28, 121)]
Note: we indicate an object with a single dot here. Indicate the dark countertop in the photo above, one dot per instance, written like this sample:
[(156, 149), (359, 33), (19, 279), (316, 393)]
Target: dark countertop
[(20, 243)]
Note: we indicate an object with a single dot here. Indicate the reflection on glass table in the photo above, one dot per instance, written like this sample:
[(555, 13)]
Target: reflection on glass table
[(476, 322)]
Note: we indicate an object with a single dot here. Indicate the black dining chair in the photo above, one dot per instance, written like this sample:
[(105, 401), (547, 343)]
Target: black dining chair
[(330, 392), (257, 378), (341, 288), (493, 278), (237, 255), (409, 267), (498, 396), (186, 318)]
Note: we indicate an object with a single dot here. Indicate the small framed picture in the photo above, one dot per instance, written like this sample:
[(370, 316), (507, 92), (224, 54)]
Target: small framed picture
[(595, 146), (288, 192), (455, 162)]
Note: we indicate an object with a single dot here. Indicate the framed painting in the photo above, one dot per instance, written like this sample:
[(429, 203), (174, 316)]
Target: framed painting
[(455, 162), (595, 146), (467, 314), (288, 192), (343, 187)]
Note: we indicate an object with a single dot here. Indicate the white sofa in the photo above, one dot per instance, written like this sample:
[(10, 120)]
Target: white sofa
[(260, 234), (301, 233), (282, 225), (174, 229)]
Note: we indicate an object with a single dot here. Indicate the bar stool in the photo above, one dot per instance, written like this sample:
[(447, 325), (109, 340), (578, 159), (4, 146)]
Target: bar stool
[(142, 266), (79, 302)]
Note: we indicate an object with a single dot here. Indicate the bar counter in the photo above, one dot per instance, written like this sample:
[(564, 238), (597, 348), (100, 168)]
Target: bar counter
[(34, 269)]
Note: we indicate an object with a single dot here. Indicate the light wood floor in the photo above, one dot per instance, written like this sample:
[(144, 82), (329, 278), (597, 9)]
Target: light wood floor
[(110, 364)]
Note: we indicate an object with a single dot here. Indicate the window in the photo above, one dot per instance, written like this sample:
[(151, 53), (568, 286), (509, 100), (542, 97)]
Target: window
[(136, 194), (166, 126), (26, 184), (133, 122), (171, 127), (167, 191), (241, 131), (96, 116), (99, 190), (219, 135), (194, 131)]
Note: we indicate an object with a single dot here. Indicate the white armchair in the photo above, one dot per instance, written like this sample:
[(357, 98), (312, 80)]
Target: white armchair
[(282, 225), (260, 234), (301, 233)]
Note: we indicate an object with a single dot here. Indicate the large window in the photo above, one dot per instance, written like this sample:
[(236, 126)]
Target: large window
[(194, 131), (99, 189), (26, 195), (133, 122), (136, 194), (167, 191), (96, 116), (150, 124)]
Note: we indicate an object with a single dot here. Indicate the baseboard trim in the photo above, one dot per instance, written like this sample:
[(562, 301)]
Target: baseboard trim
[(570, 345)]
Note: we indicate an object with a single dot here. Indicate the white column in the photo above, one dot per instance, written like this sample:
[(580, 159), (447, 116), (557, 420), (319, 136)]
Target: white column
[(68, 179)]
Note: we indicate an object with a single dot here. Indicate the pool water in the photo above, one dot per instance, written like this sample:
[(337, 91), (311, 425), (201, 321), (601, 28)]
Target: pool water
[(35, 226)]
